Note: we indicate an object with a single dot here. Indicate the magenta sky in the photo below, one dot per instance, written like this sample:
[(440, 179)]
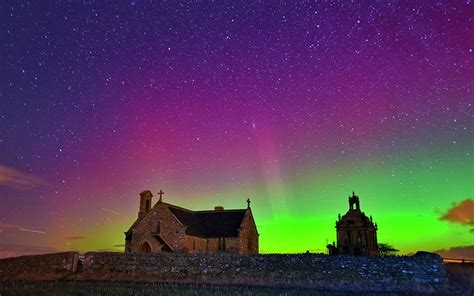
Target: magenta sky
[(294, 105)]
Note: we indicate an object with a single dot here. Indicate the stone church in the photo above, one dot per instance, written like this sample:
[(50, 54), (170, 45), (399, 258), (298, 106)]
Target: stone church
[(164, 227), (356, 233)]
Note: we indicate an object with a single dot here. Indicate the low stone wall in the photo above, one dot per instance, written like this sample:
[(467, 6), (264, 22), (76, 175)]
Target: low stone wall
[(39, 267), (461, 274), (424, 272)]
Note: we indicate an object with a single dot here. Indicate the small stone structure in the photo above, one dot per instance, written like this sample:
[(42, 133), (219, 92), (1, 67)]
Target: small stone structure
[(356, 233), (169, 228), (39, 267)]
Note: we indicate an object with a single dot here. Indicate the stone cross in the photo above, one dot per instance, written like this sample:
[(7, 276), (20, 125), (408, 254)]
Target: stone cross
[(160, 193)]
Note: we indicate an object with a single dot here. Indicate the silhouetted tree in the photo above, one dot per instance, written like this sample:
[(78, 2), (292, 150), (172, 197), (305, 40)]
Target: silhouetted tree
[(386, 249)]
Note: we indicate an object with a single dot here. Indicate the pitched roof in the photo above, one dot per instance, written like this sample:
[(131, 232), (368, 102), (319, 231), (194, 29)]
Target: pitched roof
[(166, 247), (139, 219), (211, 224), (207, 224), (355, 218)]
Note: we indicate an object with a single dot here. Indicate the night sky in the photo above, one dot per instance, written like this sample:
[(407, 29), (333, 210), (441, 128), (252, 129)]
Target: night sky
[(291, 105)]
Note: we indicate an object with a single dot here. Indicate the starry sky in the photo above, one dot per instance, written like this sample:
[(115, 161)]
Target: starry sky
[(293, 105)]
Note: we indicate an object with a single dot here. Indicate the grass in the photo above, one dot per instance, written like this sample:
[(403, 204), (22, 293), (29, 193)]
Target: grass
[(139, 289)]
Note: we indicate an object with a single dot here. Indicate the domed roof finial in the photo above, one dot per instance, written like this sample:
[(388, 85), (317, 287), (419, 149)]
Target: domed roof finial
[(354, 200)]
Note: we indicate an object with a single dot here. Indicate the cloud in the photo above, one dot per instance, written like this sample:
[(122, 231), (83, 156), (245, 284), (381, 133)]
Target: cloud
[(21, 250), (462, 213), (13, 178), (77, 237), (464, 252), (107, 250)]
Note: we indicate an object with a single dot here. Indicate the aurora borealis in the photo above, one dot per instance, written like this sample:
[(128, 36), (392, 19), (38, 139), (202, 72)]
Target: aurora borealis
[(292, 105)]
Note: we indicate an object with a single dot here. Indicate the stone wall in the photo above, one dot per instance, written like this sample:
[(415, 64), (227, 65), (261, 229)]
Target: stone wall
[(422, 272), (196, 245), (39, 267), (170, 230), (248, 235), (416, 273), (461, 274)]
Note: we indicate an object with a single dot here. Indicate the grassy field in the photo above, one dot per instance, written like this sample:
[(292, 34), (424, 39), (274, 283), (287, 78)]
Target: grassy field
[(460, 275), (89, 288)]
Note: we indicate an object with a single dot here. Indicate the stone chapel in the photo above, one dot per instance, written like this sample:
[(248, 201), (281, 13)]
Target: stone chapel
[(356, 233), (164, 227)]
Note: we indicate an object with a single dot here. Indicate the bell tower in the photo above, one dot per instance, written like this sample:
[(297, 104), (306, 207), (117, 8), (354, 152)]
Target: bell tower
[(354, 200), (145, 203)]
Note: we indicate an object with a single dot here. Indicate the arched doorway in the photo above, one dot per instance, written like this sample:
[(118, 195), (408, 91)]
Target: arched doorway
[(145, 248), (357, 251)]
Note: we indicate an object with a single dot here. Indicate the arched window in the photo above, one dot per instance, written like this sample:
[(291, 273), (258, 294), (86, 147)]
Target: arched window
[(147, 206), (145, 247), (158, 227)]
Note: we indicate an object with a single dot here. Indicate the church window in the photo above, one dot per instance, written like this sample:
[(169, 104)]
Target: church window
[(158, 227), (147, 206), (221, 244)]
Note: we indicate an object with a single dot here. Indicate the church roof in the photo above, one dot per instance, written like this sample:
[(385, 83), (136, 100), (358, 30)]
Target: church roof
[(355, 217), (166, 247), (210, 224), (206, 224)]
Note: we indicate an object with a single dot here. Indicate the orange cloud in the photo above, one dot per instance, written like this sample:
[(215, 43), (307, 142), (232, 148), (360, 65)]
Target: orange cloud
[(464, 252), (107, 250), (462, 213), (13, 178)]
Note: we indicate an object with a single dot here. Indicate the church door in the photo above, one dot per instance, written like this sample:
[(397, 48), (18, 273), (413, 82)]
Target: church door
[(145, 248), (357, 251)]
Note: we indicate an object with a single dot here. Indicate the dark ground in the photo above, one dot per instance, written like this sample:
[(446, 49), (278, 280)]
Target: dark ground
[(461, 274), (138, 289)]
